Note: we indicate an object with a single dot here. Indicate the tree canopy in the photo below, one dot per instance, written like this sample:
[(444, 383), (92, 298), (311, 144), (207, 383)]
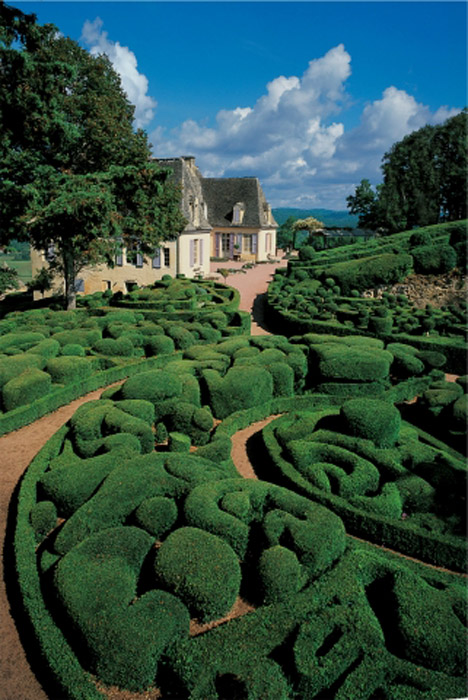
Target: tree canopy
[(424, 180), (73, 172)]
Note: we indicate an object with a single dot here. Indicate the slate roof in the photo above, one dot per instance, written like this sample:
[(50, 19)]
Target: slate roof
[(221, 194)]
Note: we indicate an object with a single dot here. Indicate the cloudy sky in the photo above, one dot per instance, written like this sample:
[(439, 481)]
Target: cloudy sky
[(307, 96)]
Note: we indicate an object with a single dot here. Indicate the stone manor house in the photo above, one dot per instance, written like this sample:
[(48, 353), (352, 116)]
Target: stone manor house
[(227, 218)]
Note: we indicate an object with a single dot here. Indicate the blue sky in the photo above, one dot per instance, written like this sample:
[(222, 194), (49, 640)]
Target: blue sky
[(307, 96)]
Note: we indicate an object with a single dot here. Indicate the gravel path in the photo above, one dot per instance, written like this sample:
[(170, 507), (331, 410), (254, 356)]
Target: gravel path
[(17, 449)]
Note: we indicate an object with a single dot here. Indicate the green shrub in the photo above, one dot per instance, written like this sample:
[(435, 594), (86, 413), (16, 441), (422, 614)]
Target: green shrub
[(178, 442), (65, 370), (337, 361), (120, 347), (96, 585), (21, 340), (306, 253), (43, 519), (281, 574), (155, 386), (29, 386), (372, 419), (159, 345), (157, 515), (201, 569), (11, 367), (367, 272), (78, 337), (241, 387), (72, 349), (182, 338), (46, 348), (434, 259), (138, 408)]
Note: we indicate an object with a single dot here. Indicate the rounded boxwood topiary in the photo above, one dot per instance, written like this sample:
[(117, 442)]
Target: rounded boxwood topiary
[(201, 569), (157, 515), (372, 419), (73, 349), (281, 574), (43, 518), (32, 384)]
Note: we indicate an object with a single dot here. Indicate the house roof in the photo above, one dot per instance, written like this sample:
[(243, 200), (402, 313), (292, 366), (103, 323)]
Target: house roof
[(222, 194)]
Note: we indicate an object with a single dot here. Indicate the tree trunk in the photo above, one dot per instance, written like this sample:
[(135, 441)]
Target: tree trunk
[(69, 276)]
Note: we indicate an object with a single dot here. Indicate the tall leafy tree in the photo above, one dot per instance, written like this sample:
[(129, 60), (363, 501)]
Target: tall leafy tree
[(74, 175), (424, 180), (364, 203)]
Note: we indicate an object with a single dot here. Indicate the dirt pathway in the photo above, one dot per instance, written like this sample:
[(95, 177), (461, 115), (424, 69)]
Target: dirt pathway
[(17, 449), (252, 285)]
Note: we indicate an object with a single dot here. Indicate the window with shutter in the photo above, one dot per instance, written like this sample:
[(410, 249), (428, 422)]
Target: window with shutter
[(157, 258)]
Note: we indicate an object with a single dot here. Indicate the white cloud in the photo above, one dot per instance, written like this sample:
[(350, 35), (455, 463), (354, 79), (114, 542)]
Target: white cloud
[(291, 137), (125, 64)]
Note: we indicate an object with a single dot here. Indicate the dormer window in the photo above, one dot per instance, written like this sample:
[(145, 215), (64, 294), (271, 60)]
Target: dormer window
[(238, 213)]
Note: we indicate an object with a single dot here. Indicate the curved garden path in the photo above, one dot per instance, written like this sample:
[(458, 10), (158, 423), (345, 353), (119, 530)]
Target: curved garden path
[(17, 449), (252, 285)]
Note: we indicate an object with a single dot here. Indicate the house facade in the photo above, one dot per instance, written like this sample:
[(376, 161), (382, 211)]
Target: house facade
[(226, 218)]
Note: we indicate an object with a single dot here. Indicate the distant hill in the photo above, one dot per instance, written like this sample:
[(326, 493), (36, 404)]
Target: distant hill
[(328, 216)]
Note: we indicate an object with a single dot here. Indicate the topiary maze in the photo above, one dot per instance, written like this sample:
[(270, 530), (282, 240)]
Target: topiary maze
[(146, 561), (328, 292), (48, 358)]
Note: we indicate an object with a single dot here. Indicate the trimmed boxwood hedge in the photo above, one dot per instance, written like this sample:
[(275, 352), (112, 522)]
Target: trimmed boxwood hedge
[(282, 538), (331, 615)]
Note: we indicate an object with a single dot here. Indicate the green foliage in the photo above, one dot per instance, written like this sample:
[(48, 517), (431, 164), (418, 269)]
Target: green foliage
[(67, 369), (153, 386), (43, 518), (372, 419), (73, 349), (11, 367), (433, 259), (8, 279), (241, 387), (156, 515), (371, 271), (424, 180), (201, 569), (29, 386), (110, 346), (74, 171), (158, 345), (95, 584), (281, 574), (179, 442)]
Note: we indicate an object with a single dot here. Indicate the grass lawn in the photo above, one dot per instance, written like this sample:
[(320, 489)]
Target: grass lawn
[(22, 266)]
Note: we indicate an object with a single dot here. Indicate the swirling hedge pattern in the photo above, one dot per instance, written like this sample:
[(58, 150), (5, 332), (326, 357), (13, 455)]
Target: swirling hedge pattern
[(133, 523)]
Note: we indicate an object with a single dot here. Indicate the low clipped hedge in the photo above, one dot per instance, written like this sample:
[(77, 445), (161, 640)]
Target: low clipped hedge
[(440, 549), (295, 560), (23, 415)]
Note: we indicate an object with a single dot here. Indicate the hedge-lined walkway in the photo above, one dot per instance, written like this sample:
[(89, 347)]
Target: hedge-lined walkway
[(240, 457), (17, 449), (252, 285)]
